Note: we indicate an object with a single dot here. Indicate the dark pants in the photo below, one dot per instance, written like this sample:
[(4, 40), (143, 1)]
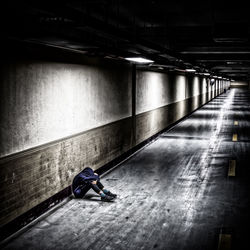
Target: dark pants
[(80, 191)]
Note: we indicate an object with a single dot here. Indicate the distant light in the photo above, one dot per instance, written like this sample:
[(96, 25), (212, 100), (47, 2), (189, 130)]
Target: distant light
[(233, 62), (138, 60), (206, 74), (180, 70), (190, 70), (219, 77)]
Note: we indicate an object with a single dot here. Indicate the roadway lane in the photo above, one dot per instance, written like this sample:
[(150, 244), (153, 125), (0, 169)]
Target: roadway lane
[(173, 194)]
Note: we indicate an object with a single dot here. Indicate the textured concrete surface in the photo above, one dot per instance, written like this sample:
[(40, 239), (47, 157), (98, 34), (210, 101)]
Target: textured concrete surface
[(173, 194), (30, 178), (51, 117), (27, 179), (154, 121), (155, 90), (44, 101)]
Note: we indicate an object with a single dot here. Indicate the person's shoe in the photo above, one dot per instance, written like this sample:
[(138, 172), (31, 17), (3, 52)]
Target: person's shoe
[(111, 194), (107, 198)]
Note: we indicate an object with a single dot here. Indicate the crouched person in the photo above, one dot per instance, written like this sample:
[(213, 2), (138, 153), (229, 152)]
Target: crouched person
[(88, 179)]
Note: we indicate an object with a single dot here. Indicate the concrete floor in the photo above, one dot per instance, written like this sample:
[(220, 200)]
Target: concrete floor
[(173, 194)]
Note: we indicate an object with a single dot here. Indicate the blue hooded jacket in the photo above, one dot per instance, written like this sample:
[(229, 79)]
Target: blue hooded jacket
[(84, 178)]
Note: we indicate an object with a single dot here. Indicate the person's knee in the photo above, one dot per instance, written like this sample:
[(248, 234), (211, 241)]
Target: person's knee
[(94, 182), (78, 193)]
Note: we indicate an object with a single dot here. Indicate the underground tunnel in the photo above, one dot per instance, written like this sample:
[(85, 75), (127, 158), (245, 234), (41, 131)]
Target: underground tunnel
[(153, 96)]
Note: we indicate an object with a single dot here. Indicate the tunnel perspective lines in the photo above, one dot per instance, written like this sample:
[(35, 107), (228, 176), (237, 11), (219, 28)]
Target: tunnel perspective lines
[(204, 169), (214, 141), (175, 193), (197, 172)]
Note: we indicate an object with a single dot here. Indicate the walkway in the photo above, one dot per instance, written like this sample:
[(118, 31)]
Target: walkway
[(189, 189)]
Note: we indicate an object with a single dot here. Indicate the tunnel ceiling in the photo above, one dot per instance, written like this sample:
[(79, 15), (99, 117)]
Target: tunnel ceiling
[(207, 35)]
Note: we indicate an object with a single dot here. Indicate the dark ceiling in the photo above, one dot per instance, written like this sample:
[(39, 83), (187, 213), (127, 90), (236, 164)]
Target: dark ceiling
[(207, 35)]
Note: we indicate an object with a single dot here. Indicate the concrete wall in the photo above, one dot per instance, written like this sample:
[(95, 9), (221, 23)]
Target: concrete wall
[(29, 178), (42, 102), (155, 90), (57, 118), (163, 99)]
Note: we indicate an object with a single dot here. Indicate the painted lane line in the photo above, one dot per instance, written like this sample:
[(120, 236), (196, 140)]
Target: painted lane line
[(235, 137), (224, 242), (232, 167)]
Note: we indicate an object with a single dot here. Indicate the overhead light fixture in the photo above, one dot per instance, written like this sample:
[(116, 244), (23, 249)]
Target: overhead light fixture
[(233, 62), (179, 70), (138, 60), (190, 70), (165, 66), (230, 39)]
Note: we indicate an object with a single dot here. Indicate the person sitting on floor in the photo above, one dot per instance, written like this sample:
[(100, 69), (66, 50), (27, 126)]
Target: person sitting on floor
[(87, 179)]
